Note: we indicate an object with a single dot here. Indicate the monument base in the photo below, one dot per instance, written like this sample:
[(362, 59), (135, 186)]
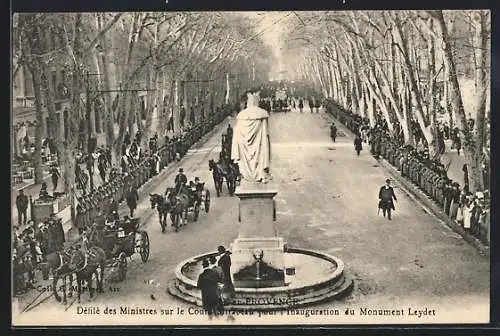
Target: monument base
[(258, 262)]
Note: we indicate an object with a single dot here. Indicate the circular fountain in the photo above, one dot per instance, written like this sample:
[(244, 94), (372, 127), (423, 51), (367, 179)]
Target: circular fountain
[(310, 277)]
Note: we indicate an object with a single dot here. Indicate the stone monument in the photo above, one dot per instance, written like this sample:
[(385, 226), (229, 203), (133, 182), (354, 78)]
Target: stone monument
[(258, 258)]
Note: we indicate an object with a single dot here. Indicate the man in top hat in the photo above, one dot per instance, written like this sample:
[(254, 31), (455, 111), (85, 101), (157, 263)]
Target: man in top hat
[(386, 199), (180, 180), (225, 265)]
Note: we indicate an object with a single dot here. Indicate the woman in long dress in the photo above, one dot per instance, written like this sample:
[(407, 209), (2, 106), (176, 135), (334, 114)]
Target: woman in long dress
[(467, 212)]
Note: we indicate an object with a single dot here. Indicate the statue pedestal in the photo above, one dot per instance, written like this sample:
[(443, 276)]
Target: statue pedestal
[(258, 255)]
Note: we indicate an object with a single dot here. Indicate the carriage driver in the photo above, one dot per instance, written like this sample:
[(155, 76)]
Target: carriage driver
[(180, 180)]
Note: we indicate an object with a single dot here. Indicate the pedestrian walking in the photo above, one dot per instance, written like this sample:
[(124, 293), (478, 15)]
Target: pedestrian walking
[(386, 199), (54, 174), (458, 144), (358, 146), (333, 132), (132, 198), (301, 105), (208, 284), (22, 207)]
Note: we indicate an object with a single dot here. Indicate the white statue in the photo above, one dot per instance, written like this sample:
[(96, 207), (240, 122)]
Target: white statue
[(251, 147)]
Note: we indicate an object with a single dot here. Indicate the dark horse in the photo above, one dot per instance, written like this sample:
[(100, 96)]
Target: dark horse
[(221, 171), (58, 263), (178, 203), (163, 208), (85, 264)]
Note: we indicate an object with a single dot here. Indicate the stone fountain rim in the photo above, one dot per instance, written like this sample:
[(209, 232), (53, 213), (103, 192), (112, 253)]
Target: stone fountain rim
[(335, 274)]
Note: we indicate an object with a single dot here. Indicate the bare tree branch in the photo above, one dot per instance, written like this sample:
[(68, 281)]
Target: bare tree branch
[(103, 32)]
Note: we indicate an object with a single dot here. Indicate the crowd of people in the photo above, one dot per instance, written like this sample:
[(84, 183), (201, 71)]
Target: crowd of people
[(470, 210), (139, 163)]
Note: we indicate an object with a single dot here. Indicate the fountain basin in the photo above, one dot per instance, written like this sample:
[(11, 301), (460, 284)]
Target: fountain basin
[(312, 277)]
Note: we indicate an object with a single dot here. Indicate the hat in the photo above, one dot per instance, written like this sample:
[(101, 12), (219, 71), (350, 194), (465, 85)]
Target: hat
[(181, 170), (388, 181)]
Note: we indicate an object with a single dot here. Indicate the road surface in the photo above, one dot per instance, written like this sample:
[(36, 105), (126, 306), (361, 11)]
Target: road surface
[(327, 201)]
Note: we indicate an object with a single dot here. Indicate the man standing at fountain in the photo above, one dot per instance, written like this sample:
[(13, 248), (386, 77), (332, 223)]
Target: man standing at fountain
[(225, 265), (251, 147), (208, 284)]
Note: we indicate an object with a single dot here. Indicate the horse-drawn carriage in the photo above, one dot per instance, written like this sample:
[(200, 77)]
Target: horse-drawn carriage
[(179, 202), (101, 253), (121, 239)]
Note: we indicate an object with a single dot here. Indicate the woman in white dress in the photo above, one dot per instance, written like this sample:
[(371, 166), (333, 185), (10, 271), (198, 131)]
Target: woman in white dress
[(467, 212)]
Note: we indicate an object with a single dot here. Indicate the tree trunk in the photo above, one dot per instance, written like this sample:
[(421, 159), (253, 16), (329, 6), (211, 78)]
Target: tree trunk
[(431, 85), (49, 95), (482, 85), (35, 75), (468, 141), (413, 86), (124, 111), (152, 107)]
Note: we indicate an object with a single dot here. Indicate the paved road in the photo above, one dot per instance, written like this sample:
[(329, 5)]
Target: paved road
[(327, 201)]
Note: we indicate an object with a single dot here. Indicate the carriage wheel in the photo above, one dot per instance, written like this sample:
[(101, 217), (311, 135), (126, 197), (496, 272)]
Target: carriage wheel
[(144, 248), (196, 210), (207, 202)]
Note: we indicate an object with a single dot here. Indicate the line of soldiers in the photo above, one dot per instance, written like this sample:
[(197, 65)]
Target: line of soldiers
[(122, 186)]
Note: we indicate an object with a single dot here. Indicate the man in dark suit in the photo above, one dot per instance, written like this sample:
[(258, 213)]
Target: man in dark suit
[(225, 264), (22, 207), (207, 283), (358, 147), (132, 198), (386, 199), (333, 131)]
